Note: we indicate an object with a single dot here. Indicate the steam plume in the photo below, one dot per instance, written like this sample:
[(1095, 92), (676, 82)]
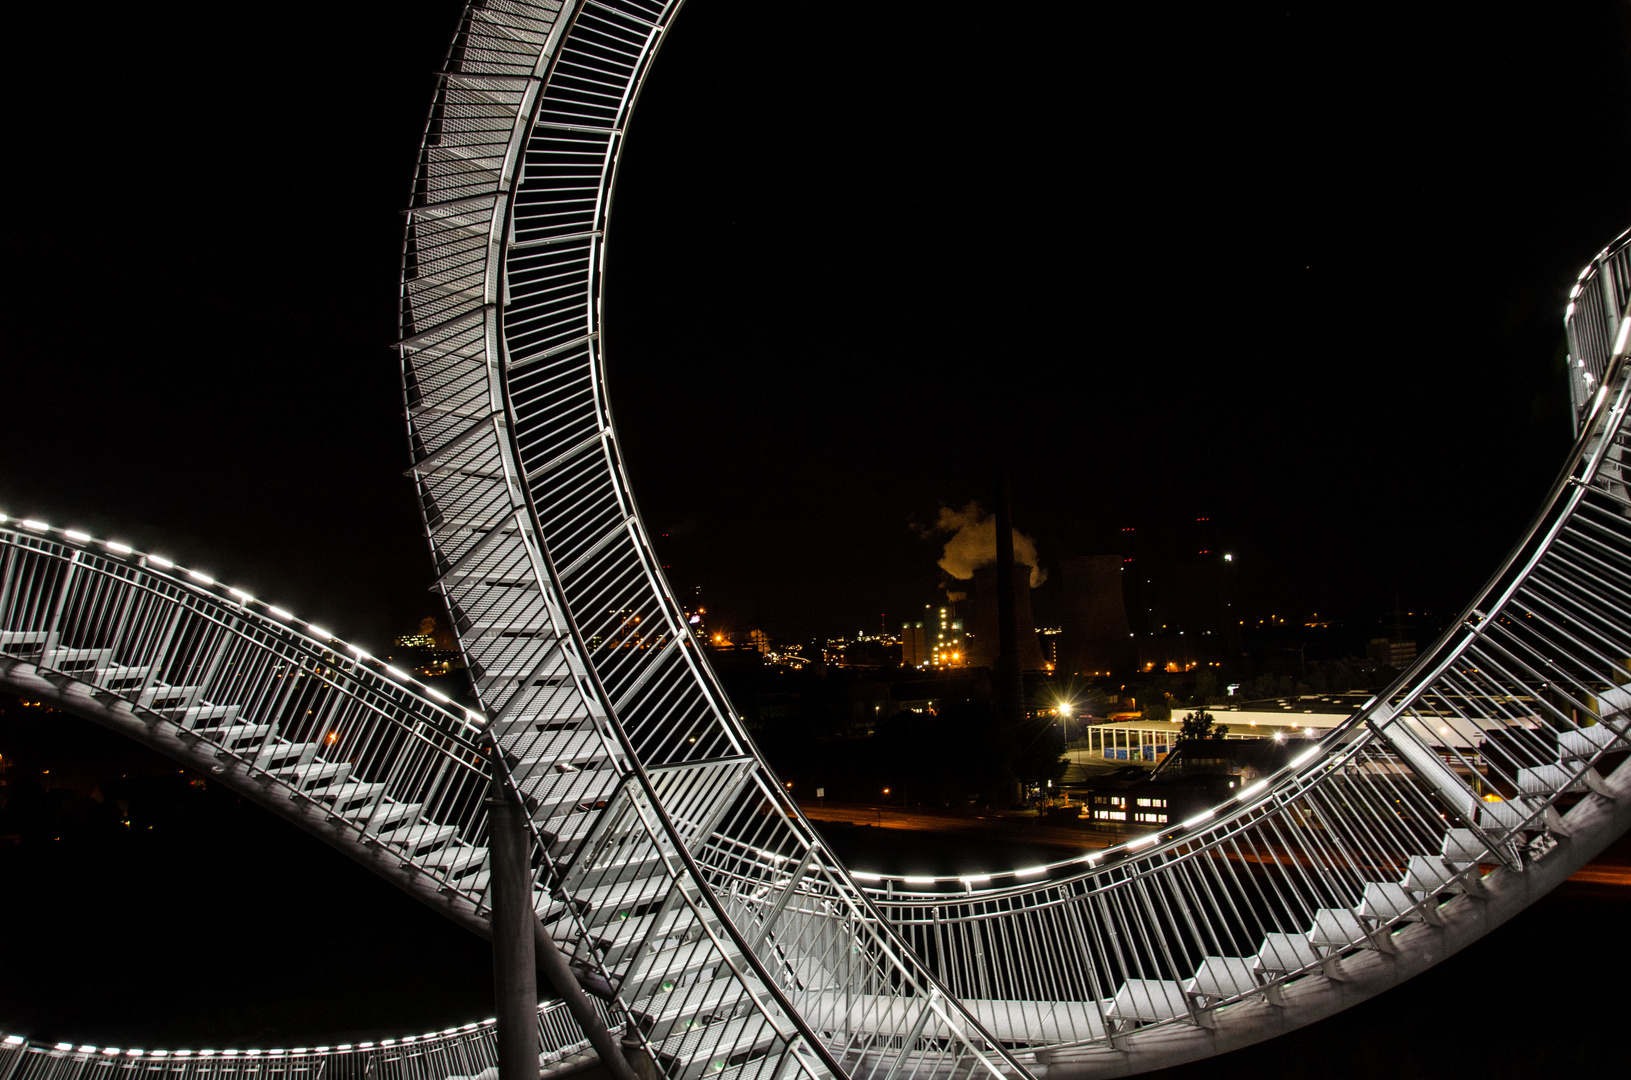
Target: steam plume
[(972, 543)]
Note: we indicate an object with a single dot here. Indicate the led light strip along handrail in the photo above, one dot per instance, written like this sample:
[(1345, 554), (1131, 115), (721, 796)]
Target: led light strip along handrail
[(464, 1049), (885, 884), (319, 731), (235, 597)]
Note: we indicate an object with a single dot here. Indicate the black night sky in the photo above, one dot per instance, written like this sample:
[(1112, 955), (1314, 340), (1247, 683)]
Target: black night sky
[(1298, 268)]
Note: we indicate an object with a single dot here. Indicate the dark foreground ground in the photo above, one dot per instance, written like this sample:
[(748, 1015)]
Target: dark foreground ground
[(206, 922)]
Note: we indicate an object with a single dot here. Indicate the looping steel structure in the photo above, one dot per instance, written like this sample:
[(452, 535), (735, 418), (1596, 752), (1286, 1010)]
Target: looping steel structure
[(685, 888)]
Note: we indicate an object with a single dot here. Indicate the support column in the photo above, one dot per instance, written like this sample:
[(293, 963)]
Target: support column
[(1009, 684), (515, 976)]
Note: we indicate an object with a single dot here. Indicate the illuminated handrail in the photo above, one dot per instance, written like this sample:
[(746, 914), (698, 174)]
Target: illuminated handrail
[(254, 695), (1597, 322), (457, 1052)]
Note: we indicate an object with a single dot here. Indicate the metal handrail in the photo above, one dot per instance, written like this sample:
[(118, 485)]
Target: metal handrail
[(1595, 322), (354, 749), (455, 1053)]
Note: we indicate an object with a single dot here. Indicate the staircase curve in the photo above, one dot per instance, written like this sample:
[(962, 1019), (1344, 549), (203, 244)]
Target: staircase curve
[(685, 887)]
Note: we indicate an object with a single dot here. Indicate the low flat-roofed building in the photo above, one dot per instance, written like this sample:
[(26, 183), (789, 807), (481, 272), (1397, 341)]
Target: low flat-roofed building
[(1137, 739)]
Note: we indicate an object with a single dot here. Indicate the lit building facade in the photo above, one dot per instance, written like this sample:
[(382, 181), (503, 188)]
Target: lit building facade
[(937, 641)]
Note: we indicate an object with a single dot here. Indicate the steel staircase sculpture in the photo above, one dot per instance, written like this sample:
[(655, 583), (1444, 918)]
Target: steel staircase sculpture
[(688, 892)]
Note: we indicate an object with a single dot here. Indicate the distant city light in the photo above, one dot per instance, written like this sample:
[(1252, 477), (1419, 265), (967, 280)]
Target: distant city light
[(1228, 558)]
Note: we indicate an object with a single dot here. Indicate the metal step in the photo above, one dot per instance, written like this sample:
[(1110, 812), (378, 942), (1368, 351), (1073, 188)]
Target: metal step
[(1613, 701), (1546, 780), (546, 906), (120, 673), (1147, 1000), (620, 870), (534, 751), (169, 698), (561, 1066), (715, 1048), (349, 796), (564, 831), (317, 776), (673, 966), (418, 839), (240, 737), (387, 815), (74, 660), (1507, 815), (548, 794), (620, 900), (1336, 928), (205, 716), (1428, 873), (1463, 847), (765, 1068), (21, 642), (660, 1013), (277, 757), (1583, 743), (634, 856), (456, 861), (616, 938), (1221, 977), (1283, 953), (569, 713), (1385, 900), (512, 670)]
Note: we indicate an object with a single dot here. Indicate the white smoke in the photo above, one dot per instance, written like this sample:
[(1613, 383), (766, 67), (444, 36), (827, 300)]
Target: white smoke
[(972, 543)]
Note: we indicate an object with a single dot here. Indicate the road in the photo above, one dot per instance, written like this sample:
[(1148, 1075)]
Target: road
[(991, 824), (1612, 868)]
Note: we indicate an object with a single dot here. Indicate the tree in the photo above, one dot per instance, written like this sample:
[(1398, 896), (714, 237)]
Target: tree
[(1158, 707), (1200, 725), (1037, 752), (1206, 688)]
